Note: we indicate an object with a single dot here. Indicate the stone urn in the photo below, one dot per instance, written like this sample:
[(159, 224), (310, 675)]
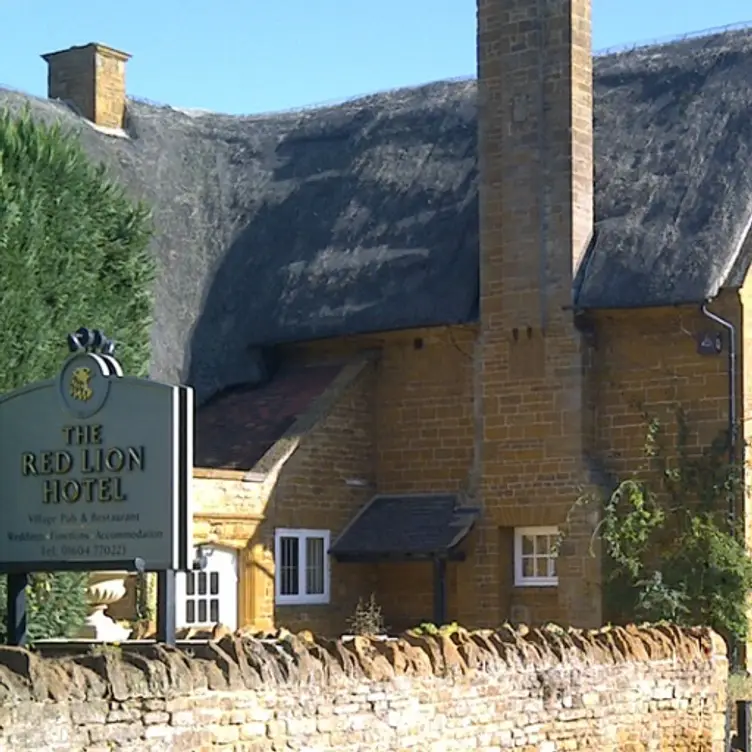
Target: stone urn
[(104, 589)]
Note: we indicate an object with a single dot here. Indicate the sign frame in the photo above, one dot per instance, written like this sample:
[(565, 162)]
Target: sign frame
[(97, 350)]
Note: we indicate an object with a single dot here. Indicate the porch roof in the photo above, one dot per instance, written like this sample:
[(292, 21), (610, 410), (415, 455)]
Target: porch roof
[(406, 527)]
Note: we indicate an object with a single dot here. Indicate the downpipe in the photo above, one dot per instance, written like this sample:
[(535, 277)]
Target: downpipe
[(732, 429), (732, 386)]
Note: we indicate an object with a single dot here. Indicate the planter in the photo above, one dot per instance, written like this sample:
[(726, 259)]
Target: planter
[(105, 588)]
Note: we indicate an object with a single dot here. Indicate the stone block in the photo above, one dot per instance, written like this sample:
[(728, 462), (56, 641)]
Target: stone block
[(92, 712), (156, 717), (182, 718), (116, 733), (252, 730)]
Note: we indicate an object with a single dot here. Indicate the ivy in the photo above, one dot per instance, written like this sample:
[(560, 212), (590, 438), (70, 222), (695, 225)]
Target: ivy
[(670, 549)]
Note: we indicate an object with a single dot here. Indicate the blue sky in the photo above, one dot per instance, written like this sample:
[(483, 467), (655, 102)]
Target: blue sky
[(244, 56)]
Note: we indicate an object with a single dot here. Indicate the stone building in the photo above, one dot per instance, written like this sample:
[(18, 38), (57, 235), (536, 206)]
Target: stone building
[(420, 323)]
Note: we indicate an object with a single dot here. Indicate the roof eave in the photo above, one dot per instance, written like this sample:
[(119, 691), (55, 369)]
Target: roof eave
[(375, 557)]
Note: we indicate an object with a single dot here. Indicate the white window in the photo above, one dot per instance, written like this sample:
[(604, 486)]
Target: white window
[(301, 566), (209, 596), (535, 556)]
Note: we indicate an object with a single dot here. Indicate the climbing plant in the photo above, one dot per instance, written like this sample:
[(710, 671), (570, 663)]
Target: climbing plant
[(74, 250), (670, 548)]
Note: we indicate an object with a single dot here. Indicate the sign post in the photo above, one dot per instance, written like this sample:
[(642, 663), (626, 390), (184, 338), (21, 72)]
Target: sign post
[(96, 470), (16, 610)]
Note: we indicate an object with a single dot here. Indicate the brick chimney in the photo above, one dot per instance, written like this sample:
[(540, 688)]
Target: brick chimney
[(91, 79), (535, 148)]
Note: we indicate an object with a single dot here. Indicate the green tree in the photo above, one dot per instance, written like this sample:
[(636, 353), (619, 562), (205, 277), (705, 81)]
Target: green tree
[(74, 250)]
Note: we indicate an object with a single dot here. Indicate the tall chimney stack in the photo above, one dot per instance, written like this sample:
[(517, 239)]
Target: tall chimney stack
[(535, 150), (91, 79)]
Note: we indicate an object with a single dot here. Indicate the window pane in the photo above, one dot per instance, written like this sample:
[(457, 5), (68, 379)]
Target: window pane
[(190, 583), (541, 566), (315, 566), (202, 612), (202, 583), (214, 610), (552, 567), (542, 548), (289, 566), (528, 567), (190, 612), (528, 546), (214, 583)]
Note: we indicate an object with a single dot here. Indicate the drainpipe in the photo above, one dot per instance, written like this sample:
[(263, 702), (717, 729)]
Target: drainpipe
[(735, 647), (732, 384)]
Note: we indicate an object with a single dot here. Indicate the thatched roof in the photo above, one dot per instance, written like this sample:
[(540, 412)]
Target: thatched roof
[(363, 217), (673, 141)]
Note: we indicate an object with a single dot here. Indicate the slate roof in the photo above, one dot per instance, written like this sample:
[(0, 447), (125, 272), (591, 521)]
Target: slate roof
[(418, 526), (236, 428), (363, 217)]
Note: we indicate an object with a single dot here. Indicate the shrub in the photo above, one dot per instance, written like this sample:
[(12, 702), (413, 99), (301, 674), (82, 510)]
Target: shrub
[(367, 619), (670, 550), (56, 605), (429, 628)]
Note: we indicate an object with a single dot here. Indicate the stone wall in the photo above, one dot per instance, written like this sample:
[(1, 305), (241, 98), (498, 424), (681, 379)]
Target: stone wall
[(646, 366), (422, 404), (312, 492), (630, 689), (423, 441)]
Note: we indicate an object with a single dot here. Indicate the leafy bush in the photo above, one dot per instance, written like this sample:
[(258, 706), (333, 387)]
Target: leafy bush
[(670, 552), (75, 253), (56, 605)]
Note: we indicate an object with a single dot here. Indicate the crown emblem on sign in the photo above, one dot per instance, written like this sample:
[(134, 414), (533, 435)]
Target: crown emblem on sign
[(84, 381), (80, 385)]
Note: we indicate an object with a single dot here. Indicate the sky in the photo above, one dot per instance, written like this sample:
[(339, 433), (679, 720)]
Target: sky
[(250, 56)]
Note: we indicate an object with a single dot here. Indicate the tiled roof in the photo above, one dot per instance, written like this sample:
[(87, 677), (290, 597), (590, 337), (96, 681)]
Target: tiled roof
[(236, 428), (405, 526)]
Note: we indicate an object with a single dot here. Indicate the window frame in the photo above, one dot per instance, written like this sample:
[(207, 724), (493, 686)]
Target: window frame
[(532, 531), (301, 598)]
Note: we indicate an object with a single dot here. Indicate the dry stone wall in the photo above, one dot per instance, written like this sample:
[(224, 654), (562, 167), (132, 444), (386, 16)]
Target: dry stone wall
[(631, 690)]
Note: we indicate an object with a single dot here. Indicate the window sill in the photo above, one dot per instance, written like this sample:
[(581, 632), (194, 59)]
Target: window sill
[(301, 601), (539, 583)]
